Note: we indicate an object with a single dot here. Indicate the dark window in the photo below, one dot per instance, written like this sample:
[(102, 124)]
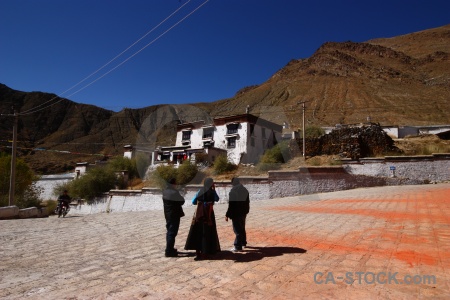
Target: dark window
[(232, 128), (208, 133), (263, 133), (252, 142), (186, 135), (252, 129), (208, 143), (232, 142)]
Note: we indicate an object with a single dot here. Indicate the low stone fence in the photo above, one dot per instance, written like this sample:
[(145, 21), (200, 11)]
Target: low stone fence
[(428, 168), (13, 212), (368, 172), (151, 198), (277, 184)]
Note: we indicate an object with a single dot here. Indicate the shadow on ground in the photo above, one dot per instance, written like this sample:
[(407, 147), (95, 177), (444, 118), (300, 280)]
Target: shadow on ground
[(249, 254)]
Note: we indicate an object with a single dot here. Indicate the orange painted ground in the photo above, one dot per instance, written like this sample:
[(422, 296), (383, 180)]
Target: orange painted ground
[(415, 227)]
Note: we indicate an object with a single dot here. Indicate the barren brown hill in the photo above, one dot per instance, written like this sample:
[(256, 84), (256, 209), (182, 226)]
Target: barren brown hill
[(402, 80), (54, 139)]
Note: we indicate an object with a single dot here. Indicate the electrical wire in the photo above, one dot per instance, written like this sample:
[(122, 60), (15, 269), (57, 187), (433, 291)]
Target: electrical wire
[(140, 50), (59, 151), (117, 56), (129, 47), (35, 109)]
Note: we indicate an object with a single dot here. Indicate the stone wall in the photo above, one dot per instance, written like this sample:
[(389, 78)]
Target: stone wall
[(321, 180), (13, 212), (310, 180), (365, 172), (429, 168)]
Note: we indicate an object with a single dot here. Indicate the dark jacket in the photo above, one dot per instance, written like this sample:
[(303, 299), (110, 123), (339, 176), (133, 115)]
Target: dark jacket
[(173, 203), (65, 198), (239, 202)]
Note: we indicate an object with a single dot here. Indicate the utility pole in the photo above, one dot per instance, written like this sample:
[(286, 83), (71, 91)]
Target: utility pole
[(12, 183), (303, 130), (303, 126)]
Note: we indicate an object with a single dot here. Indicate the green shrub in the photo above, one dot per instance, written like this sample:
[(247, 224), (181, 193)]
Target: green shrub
[(314, 131), (274, 157), (314, 161), (277, 154), (99, 180), (163, 174), (186, 172), (29, 197), (335, 162), (124, 164), (51, 206), (94, 183), (26, 194), (222, 165)]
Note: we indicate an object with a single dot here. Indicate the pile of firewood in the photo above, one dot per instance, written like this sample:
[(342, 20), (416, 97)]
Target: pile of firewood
[(351, 142)]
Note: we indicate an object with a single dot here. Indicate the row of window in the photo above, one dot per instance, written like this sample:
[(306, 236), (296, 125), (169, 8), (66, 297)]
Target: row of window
[(208, 133), (231, 140), (231, 129)]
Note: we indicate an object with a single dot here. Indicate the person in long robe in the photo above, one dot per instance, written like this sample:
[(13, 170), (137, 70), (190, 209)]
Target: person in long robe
[(202, 235)]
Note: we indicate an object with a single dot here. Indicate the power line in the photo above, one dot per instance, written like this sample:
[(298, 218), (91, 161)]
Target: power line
[(140, 50), (58, 151), (117, 56), (35, 109), (129, 47)]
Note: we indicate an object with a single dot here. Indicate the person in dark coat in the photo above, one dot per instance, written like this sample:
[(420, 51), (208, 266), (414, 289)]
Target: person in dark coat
[(202, 235), (173, 211), (64, 199), (238, 208)]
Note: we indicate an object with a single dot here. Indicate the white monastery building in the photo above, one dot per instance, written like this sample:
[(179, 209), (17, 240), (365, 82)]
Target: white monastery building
[(243, 138)]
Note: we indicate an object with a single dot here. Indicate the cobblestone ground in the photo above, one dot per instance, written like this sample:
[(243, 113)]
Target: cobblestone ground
[(303, 247)]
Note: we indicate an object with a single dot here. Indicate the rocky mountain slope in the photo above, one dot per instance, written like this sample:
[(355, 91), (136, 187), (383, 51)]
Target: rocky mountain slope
[(56, 138), (403, 80), (397, 81)]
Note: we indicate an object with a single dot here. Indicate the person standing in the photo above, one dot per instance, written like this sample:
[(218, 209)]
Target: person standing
[(173, 211), (238, 208), (202, 235)]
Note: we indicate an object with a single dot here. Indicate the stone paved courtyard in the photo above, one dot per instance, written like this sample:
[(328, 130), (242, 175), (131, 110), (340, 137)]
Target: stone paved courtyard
[(394, 242)]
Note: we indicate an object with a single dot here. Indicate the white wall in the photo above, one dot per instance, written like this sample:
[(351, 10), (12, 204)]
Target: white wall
[(244, 152), (391, 131), (290, 183), (48, 182)]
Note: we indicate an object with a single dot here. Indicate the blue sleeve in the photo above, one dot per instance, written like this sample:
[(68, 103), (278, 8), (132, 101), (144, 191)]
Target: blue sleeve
[(194, 201), (216, 196)]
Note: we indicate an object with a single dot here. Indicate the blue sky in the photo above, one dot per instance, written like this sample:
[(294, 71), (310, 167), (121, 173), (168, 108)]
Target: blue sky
[(223, 46)]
